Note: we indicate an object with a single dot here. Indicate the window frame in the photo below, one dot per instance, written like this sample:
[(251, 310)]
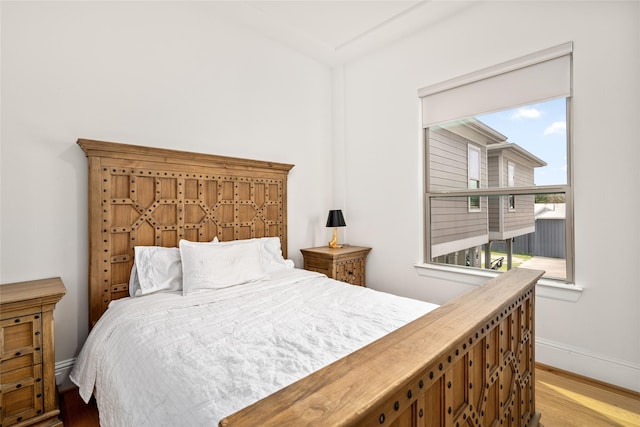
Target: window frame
[(566, 189)]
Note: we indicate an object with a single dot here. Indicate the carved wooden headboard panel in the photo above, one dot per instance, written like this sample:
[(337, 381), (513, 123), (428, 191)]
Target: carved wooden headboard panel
[(143, 196)]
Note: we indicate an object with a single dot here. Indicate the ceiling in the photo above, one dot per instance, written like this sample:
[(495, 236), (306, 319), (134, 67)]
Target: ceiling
[(335, 32)]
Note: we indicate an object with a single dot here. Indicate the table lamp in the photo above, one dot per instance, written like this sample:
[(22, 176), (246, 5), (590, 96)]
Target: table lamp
[(335, 220)]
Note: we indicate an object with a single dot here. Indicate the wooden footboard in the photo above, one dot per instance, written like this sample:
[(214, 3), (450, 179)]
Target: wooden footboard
[(468, 363)]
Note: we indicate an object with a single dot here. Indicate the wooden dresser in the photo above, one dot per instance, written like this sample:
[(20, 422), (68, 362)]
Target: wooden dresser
[(346, 264), (27, 359)]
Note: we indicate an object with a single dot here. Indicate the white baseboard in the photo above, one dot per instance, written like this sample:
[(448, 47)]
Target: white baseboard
[(63, 369), (620, 373)]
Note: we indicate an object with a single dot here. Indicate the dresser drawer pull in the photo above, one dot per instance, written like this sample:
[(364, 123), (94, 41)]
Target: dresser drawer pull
[(37, 332), (38, 380), (18, 353), (36, 316), (17, 321), (18, 385), (39, 395), (37, 348)]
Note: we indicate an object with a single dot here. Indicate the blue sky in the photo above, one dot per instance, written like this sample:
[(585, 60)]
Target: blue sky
[(539, 129)]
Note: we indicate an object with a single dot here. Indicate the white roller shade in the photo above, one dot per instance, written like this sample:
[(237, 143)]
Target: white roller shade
[(534, 78)]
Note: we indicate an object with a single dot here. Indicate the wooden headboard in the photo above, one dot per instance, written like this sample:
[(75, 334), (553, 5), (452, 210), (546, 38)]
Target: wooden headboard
[(143, 196)]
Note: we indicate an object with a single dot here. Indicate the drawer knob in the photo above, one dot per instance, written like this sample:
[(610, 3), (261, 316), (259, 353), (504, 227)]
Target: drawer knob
[(37, 348), (18, 353), (18, 385), (17, 321)]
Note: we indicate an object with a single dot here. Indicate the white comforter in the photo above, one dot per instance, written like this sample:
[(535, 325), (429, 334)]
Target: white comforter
[(176, 360)]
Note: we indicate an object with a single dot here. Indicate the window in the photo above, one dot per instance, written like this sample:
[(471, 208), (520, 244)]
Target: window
[(474, 176), (506, 129), (511, 181)]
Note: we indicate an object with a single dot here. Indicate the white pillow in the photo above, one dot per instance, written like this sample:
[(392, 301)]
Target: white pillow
[(134, 283), (270, 252), (272, 258), (215, 266), (155, 269)]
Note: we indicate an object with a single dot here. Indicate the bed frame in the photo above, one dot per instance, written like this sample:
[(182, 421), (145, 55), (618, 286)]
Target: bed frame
[(143, 196), (468, 363)]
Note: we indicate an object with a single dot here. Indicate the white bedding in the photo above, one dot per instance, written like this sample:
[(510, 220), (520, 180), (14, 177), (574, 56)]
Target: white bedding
[(172, 360)]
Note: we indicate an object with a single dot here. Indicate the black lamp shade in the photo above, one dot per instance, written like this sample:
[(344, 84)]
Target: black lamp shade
[(336, 219)]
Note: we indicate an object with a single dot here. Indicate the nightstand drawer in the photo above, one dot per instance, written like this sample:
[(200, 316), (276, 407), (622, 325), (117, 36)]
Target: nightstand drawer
[(351, 271), (325, 271), (314, 264)]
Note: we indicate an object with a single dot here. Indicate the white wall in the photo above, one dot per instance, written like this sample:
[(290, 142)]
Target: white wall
[(598, 335), (172, 75)]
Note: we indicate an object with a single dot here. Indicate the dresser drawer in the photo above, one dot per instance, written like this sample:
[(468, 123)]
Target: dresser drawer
[(21, 395), (24, 360), (21, 376), (20, 336)]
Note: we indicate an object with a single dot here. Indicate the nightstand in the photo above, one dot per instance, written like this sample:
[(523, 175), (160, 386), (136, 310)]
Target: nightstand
[(27, 359), (346, 264)]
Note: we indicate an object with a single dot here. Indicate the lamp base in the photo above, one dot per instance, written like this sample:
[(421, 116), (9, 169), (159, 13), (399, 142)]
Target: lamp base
[(334, 241)]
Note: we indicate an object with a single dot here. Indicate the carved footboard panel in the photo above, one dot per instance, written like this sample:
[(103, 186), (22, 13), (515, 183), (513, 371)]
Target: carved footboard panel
[(468, 363)]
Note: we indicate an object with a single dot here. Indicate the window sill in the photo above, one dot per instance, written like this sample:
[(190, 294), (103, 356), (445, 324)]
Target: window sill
[(545, 288)]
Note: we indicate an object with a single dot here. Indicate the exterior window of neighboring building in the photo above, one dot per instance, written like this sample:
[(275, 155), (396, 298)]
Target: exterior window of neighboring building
[(511, 179), (511, 144), (474, 176)]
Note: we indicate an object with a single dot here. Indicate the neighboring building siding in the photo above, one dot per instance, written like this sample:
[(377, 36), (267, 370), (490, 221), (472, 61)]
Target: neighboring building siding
[(523, 216), (448, 160), (454, 227), (451, 220), (505, 223)]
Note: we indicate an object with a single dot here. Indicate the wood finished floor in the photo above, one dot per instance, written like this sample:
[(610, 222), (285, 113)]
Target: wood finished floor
[(567, 400), (563, 399)]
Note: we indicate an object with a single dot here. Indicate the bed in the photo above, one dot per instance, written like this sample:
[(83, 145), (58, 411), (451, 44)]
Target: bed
[(468, 362)]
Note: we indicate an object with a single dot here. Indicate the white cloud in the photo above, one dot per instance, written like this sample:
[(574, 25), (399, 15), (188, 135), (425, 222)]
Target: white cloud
[(556, 127), (526, 113)]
